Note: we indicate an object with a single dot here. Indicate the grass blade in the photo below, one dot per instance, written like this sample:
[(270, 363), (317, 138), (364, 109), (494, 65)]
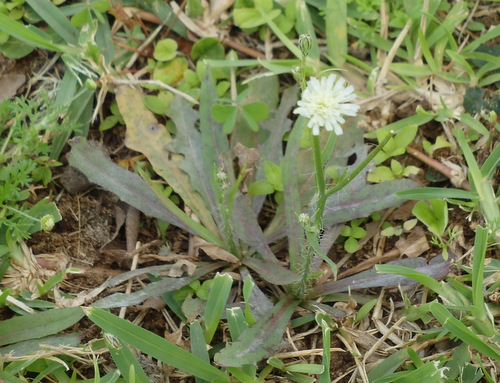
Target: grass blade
[(56, 19), (20, 32), (216, 303), (336, 31), (154, 345), (124, 360), (38, 325), (458, 329), (439, 193)]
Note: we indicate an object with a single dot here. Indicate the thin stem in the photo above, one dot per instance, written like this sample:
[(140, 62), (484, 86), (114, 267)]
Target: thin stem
[(343, 182), (320, 182)]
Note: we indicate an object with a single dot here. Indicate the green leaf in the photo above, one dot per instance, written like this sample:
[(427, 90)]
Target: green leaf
[(216, 304), (125, 360), (236, 322), (273, 175), (431, 192), (165, 50), (261, 340), (458, 329), (380, 174), (262, 187), (27, 35), (336, 30), (258, 110), (207, 48), (246, 18), (38, 325), (434, 216), (351, 245), (54, 17), (155, 346), (221, 113), (81, 18), (365, 309), (159, 104), (108, 123)]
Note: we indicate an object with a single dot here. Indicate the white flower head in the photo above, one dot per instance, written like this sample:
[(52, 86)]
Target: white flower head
[(325, 101)]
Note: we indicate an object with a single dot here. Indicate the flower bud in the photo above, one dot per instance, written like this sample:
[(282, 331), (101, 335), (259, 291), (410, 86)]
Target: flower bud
[(47, 222), (305, 43), (90, 84)]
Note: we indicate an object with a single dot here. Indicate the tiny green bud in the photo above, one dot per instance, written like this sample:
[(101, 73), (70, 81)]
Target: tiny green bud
[(305, 43), (90, 84), (47, 222)]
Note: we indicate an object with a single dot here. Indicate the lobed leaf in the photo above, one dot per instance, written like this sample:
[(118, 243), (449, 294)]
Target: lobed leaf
[(154, 289), (145, 135), (89, 158), (437, 268)]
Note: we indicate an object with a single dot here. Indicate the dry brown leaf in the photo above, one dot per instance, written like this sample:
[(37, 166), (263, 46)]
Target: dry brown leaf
[(414, 244), (246, 156), (215, 252), (180, 267), (156, 303), (9, 84)]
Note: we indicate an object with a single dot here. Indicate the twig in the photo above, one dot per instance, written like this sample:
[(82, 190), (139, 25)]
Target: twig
[(442, 168)]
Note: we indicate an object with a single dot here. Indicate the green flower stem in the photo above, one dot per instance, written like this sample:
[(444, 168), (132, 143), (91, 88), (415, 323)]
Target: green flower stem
[(320, 182), (346, 180)]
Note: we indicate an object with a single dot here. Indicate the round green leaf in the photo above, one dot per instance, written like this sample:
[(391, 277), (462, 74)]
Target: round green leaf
[(220, 113), (258, 110), (351, 245), (165, 50), (208, 48)]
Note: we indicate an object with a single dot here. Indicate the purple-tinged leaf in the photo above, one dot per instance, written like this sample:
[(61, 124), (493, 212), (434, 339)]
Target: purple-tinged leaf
[(277, 126), (258, 301), (188, 142), (246, 227), (146, 135), (350, 203), (437, 268), (88, 157), (272, 272), (261, 340), (38, 325), (291, 200), (154, 289), (215, 145)]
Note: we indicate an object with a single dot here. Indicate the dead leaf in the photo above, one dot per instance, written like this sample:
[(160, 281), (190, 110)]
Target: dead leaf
[(180, 267), (246, 156), (214, 251), (156, 303), (403, 212), (414, 244), (9, 84)]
